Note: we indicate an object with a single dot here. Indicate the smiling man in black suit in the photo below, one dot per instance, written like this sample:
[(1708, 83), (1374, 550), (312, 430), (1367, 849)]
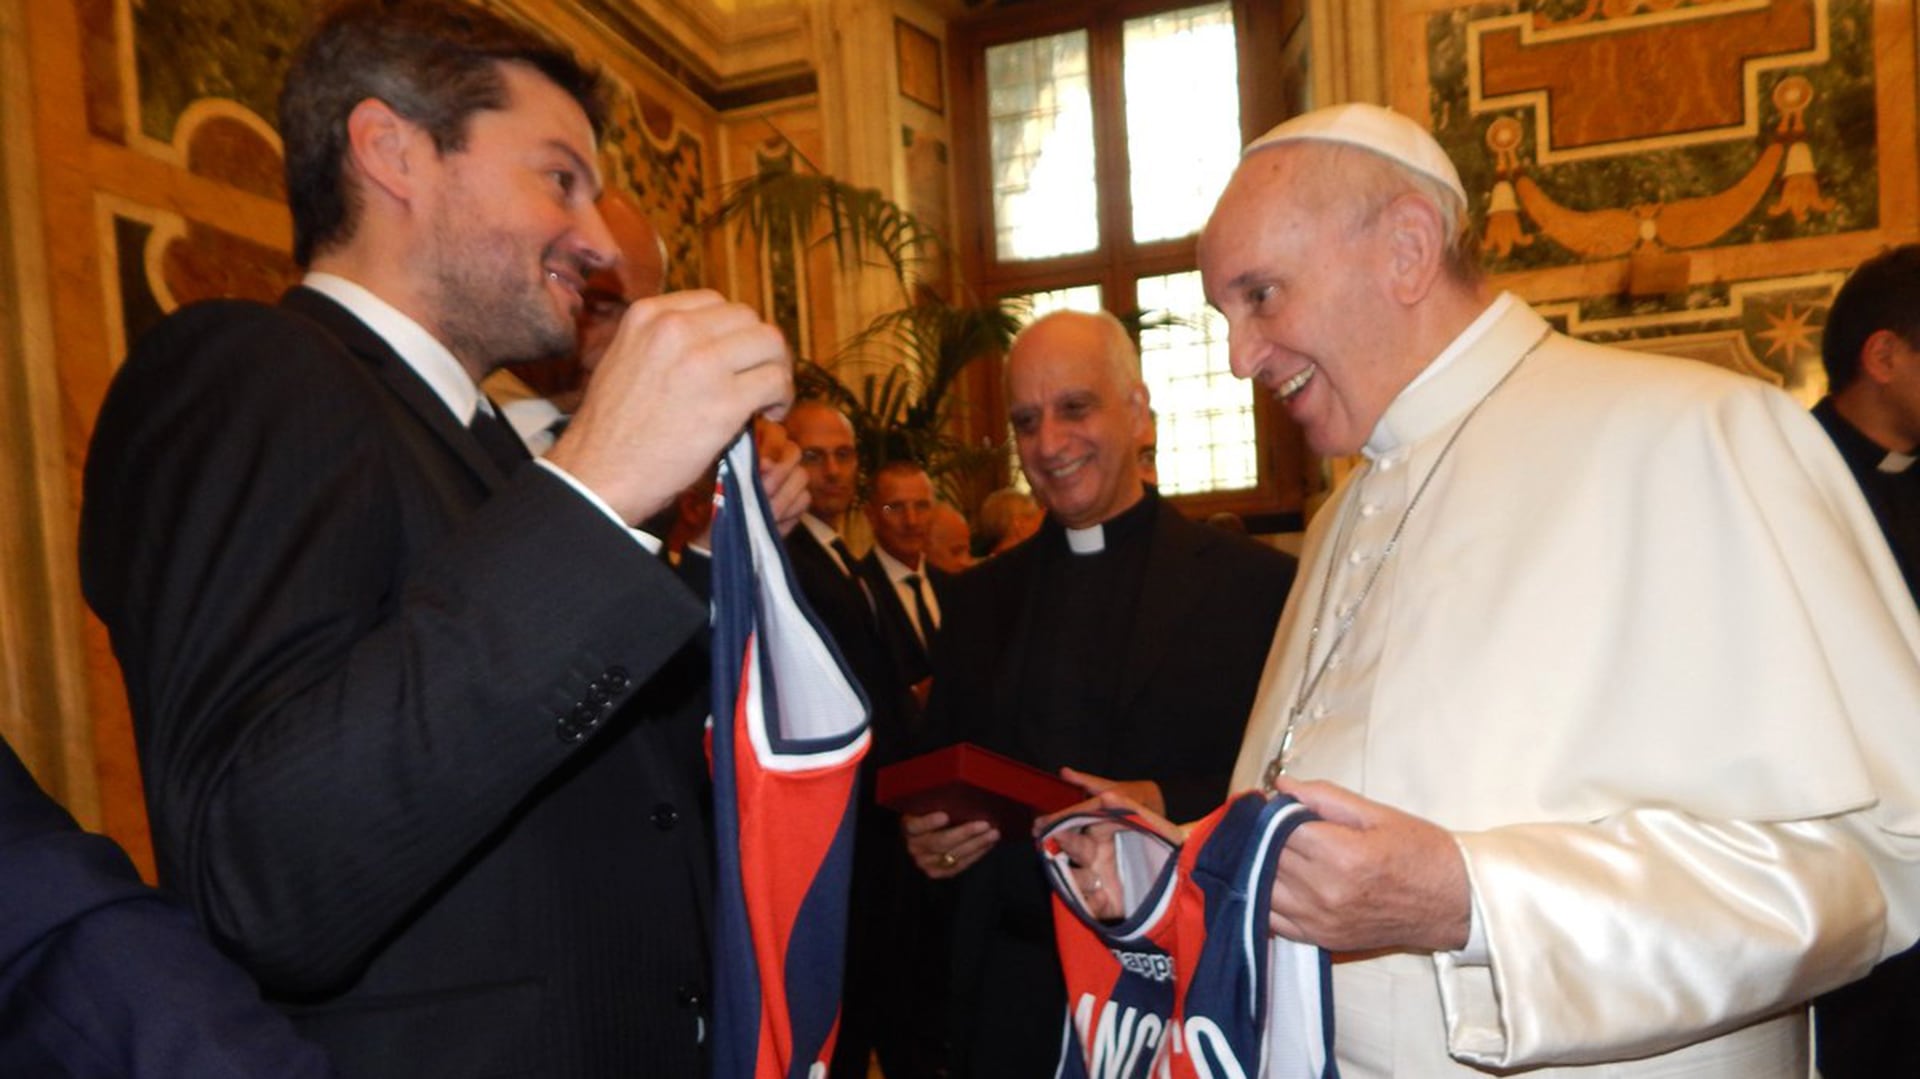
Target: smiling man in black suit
[(418, 718)]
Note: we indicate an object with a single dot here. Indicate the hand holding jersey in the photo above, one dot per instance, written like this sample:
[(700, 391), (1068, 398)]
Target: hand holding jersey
[(1170, 970), (1368, 876), (684, 373)]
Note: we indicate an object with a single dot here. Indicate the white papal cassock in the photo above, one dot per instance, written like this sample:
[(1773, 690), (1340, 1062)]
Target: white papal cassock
[(1643, 650)]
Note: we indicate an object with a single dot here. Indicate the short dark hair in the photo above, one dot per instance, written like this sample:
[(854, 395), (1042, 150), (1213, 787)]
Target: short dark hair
[(1882, 294), (435, 62)]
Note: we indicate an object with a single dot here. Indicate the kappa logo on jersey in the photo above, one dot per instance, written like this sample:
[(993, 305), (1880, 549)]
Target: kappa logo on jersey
[(1189, 984), (788, 730), (1151, 965)]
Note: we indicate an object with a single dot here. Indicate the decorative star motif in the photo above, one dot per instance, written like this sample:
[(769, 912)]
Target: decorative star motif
[(1790, 333)]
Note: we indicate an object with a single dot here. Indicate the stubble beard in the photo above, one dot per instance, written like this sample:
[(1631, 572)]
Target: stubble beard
[(493, 311)]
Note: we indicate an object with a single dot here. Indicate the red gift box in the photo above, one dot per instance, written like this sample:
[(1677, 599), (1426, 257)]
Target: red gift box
[(968, 783)]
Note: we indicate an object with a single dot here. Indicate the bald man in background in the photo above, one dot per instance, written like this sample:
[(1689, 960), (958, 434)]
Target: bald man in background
[(949, 540)]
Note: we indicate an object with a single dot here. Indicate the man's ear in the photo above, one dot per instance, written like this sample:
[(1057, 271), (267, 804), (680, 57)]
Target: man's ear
[(1881, 356), (1141, 406), (1416, 243), (386, 149)]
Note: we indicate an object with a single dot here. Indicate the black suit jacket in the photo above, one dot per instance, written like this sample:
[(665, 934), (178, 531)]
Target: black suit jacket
[(1208, 606), (910, 658), (1209, 602), (101, 977), (420, 740)]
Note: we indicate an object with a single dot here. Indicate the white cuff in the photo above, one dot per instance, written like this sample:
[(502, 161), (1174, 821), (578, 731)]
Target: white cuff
[(644, 538)]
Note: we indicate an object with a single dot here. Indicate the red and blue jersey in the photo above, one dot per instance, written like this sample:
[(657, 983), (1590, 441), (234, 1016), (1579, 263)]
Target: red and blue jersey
[(1189, 983), (789, 728)]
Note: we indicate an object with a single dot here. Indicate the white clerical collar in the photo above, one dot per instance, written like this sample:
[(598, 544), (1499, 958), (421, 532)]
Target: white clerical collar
[(1089, 540), (420, 350), (895, 568), (1896, 462), (1417, 409)]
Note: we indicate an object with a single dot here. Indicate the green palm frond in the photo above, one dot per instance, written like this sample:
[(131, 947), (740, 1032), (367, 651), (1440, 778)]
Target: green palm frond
[(935, 342), (917, 352), (786, 203)]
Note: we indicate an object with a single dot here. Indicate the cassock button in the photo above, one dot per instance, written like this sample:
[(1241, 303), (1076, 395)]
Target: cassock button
[(1356, 557), (1369, 509), (665, 816), (688, 996)]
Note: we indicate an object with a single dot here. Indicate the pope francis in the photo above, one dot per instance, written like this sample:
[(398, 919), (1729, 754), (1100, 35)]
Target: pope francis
[(1598, 671)]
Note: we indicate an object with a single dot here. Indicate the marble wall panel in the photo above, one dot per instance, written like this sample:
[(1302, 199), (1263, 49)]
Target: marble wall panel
[(159, 179), (1693, 176)]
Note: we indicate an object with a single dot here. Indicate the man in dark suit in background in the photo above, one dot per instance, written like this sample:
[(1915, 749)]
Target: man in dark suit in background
[(1121, 641), (418, 718), (1871, 349), (101, 976), (906, 589)]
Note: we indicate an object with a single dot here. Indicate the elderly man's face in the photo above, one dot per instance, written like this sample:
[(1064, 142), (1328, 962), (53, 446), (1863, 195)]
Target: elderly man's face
[(1075, 421), (1302, 287)]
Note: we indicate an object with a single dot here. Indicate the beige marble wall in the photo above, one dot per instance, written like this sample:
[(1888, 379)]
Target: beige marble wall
[(43, 696)]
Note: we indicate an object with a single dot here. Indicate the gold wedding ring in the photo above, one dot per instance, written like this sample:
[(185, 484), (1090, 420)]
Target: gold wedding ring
[(947, 860)]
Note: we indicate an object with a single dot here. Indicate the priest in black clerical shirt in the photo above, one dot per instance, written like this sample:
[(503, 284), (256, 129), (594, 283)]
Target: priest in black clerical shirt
[(1871, 348), (1121, 645)]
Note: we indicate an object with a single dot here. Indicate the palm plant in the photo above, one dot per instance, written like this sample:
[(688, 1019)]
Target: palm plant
[(923, 346)]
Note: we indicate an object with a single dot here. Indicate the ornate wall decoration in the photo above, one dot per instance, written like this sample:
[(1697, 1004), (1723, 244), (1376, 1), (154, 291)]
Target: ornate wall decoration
[(929, 193), (1689, 176), (1769, 329), (186, 50), (193, 82), (657, 159), (158, 261)]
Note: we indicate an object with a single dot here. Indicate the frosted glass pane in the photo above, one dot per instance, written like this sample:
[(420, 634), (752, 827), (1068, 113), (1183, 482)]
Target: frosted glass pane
[(1072, 298), (1183, 117), (1040, 115), (1206, 438)]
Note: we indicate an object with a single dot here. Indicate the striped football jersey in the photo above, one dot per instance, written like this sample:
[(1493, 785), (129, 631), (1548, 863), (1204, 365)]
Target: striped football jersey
[(1189, 983), (788, 730)]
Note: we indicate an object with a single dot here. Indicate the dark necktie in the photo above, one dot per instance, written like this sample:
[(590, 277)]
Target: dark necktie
[(845, 556), (496, 436), (922, 615)]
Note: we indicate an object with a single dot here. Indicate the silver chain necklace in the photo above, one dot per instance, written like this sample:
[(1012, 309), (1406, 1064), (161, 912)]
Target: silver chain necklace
[(1311, 673)]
